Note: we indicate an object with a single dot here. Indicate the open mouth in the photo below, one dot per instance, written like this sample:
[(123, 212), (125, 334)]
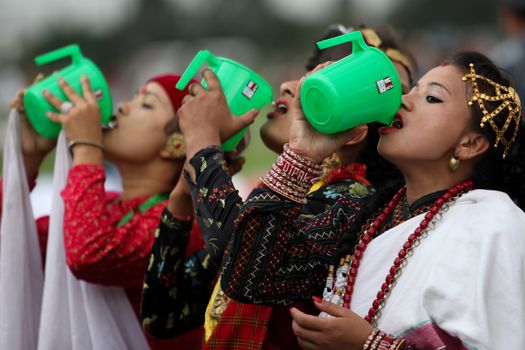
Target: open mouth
[(397, 123), (113, 122), (280, 107)]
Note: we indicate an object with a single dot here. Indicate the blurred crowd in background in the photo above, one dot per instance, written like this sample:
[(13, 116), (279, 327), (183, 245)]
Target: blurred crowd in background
[(131, 40)]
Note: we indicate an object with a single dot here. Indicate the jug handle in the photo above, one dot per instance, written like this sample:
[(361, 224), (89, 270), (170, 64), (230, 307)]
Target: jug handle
[(200, 58), (72, 50), (358, 42)]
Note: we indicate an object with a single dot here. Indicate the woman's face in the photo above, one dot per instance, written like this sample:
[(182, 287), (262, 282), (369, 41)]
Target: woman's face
[(275, 131), (433, 117), (139, 134)]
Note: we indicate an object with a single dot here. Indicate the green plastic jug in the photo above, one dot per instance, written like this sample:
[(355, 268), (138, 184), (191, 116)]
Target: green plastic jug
[(361, 88), (243, 88), (36, 105)]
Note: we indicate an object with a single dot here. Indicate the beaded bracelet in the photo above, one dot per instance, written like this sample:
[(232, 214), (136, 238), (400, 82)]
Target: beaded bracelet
[(370, 338), (291, 175), (378, 340)]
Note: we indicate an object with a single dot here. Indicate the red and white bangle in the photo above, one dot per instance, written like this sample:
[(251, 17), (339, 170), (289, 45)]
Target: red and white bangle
[(292, 176), (370, 339), (378, 340)]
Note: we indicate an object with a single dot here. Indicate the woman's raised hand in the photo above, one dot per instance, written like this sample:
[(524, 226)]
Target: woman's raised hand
[(205, 118), (80, 118), (310, 143), (34, 146)]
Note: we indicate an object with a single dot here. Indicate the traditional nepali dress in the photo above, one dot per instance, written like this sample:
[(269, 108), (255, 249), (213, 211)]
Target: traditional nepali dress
[(100, 251), (464, 287), (217, 204)]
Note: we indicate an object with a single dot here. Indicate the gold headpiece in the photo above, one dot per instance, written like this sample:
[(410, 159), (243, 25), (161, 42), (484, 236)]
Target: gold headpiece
[(509, 100), (396, 56), (372, 38)]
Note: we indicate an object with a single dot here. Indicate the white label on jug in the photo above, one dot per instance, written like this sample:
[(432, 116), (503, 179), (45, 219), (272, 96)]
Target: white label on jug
[(249, 89), (384, 85), (98, 94)]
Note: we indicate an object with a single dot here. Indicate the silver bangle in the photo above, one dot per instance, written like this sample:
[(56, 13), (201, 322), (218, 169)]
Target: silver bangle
[(71, 144)]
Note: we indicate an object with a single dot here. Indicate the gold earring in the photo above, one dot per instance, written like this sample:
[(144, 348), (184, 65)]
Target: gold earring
[(453, 163), (175, 145)]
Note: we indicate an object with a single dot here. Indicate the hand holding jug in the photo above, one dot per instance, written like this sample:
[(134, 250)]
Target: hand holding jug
[(244, 89), (36, 105), (361, 88)]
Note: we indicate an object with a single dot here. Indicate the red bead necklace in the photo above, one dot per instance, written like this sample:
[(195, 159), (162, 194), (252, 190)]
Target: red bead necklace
[(403, 254)]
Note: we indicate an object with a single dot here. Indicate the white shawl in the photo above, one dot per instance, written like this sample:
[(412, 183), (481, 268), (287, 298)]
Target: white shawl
[(21, 276), (467, 278), (76, 314)]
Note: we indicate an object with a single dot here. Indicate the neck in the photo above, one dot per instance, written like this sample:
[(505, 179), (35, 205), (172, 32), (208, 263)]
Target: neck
[(349, 154), (146, 180), (424, 180)]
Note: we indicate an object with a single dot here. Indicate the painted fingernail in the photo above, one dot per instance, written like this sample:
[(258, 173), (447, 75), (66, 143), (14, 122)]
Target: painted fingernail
[(45, 92), (317, 300)]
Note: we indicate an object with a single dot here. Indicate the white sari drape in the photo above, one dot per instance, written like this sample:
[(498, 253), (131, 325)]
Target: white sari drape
[(75, 314), (21, 276), (465, 281)]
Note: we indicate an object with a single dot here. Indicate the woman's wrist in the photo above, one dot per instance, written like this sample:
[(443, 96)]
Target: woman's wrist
[(180, 204), (32, 165), (197, 142), (87, 154)]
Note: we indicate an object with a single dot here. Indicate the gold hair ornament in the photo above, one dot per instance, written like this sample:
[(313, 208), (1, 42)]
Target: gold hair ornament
[(397, 56), (372, 38), (509, 100)]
